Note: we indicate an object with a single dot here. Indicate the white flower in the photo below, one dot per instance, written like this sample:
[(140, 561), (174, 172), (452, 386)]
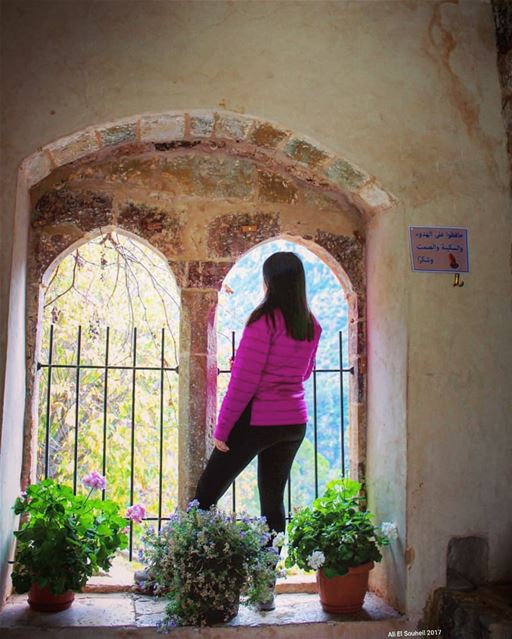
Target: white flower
[(278, 540), (316, 559), (389, 530)]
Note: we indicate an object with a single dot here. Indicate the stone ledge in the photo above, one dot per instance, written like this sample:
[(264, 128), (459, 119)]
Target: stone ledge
[(128, 615), (120, 579)]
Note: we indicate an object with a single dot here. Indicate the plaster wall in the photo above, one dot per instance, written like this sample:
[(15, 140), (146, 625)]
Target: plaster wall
[(11, 433), (387, 408), (407, 90)]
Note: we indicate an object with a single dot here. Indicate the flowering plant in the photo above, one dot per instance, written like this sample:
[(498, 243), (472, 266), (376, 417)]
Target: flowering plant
[(203, 560), (334, 533), (63, 538)]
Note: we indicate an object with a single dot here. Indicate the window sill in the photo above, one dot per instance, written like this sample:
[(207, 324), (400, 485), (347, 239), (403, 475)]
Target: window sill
[(102, 615)]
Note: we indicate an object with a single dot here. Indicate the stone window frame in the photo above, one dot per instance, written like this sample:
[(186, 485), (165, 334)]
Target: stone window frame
[(37, 284), (200, 306), (263, 142)]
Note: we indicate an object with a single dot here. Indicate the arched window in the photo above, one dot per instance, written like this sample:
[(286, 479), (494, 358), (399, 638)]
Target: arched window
[(324, 454), (108, 388)]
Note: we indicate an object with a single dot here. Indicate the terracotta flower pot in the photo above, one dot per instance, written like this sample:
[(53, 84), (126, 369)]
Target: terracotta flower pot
[(344, 593), (43, 599)]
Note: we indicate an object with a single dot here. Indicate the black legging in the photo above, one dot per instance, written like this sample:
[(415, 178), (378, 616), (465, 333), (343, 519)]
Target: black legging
[(275, 446)]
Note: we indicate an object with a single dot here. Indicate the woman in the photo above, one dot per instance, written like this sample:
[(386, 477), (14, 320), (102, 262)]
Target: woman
[(264, 411)]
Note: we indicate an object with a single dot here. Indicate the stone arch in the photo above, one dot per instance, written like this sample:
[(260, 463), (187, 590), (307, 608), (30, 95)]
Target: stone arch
[(202, 187), (238, 134)]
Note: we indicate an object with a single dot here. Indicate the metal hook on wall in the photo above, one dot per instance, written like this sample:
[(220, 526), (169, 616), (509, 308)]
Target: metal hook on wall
[(457, 281)]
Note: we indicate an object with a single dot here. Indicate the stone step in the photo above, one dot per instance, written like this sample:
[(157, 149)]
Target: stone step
[(124, 615)]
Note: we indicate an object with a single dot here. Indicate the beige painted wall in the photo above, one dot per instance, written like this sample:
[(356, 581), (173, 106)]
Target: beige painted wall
[(407, 90)]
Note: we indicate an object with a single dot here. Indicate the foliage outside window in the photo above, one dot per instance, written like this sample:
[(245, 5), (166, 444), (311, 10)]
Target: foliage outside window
[(118, 282)]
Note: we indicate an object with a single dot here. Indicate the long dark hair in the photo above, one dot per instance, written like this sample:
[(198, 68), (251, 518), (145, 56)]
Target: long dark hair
[(285, 280)]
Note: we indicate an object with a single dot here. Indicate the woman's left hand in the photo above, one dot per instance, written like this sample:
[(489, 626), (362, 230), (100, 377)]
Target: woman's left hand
[(220, 445)]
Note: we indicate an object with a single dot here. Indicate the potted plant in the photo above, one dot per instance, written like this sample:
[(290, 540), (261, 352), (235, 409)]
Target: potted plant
[(336, 537), (203, 561), (63, 539)]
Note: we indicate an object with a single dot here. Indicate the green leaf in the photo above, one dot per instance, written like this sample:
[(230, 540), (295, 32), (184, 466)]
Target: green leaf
[(329, 572), (104, 530)]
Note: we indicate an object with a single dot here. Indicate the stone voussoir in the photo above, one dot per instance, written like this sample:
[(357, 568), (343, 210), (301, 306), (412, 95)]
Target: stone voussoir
[(73, 147), (374, 198), (37, 166), (122, 132), (201, 124), (268, 135), (232, 126), (305, 151), (345, 175), (162, 127)]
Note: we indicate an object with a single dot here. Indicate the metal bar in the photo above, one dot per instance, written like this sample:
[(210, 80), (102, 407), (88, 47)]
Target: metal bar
[(342, 406), (132, 455), (315, 431), (48, 399), (233, 496), (336, 370), (289, 494), (105, 400), (169, 519), (77, 406), (319, 370), (112, 367), (161, 432), (233, 336)]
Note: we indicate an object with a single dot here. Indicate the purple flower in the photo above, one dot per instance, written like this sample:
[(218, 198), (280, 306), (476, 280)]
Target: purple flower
[(165, 626), (264, 539), (193, 504), (136, 513), (95, 480)]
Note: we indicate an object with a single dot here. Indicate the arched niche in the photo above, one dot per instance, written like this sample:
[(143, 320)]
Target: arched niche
[(202, 187)]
